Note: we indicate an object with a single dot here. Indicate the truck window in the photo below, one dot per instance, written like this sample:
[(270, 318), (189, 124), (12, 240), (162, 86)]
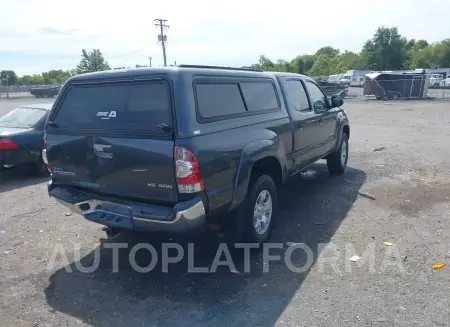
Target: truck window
[(124, 106), (296, 95), (259, 95), (219, 99), (318, 99)]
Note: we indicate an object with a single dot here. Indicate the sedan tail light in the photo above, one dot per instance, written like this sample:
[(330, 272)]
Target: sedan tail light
[(7, 144)]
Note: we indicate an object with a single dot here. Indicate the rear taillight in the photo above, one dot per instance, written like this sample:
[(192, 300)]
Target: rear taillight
[(187, 171), (7, 144), (44, 152)]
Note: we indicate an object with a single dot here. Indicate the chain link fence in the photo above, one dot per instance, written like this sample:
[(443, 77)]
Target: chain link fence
[(19, 92), (12, 92)]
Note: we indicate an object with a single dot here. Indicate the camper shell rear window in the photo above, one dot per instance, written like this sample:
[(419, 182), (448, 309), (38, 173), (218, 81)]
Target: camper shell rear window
[(141, 105)]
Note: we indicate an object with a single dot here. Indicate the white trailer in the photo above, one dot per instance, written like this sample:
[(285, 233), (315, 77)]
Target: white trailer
[(357, 76)]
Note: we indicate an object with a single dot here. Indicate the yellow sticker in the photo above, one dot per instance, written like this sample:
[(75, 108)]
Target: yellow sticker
[(439, 265)]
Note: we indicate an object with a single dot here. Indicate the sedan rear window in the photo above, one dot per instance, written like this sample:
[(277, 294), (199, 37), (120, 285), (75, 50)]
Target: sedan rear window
[(136, 106), (22, 117)]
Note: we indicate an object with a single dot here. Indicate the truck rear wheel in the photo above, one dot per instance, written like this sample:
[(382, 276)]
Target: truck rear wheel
[(259, 209)]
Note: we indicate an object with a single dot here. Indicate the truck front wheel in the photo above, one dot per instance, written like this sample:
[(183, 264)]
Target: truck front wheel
[(337, 160)]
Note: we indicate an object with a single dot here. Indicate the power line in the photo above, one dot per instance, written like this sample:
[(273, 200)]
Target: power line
[(161, 37)]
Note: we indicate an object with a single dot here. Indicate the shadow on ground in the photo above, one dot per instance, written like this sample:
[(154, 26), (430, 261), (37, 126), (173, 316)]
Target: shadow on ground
[(16, 178), (311, 212)]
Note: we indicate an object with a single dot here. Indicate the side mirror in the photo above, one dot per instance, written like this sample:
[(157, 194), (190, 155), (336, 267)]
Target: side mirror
[(336, 101)]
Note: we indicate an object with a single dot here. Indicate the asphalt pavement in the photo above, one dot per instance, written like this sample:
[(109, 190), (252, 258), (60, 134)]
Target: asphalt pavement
[(390, 209)]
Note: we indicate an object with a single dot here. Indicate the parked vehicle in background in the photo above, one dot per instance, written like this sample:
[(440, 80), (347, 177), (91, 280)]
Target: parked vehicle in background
[(345, 81), (445, 83), (357, 81), (178, 149), (21, 137), (48, 91), (435, 80), (356, 77), (334, 79), (331, 89)]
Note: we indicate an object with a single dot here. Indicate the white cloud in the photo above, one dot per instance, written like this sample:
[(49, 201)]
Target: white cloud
[(37, 35)]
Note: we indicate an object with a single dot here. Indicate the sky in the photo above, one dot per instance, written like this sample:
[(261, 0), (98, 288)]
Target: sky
[(39, 35)]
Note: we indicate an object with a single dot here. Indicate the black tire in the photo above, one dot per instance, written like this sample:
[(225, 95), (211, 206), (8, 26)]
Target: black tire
[(334, 160), (42, 169), (258, 184), (395, 96), (111, 232)]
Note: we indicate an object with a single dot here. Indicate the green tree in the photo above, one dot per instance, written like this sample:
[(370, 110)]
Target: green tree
[(328, 50), (413, 47), (36, 79), (55, 76), (420, 45), (436, 55), (8, 77), (308, 60), (24, 80), (297, 65), (92, 61), (282, 66), (344, 62), (387, 50), (321, 66)]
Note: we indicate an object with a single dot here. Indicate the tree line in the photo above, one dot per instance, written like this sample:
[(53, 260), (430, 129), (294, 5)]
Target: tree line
[(91, 61), (386, 50)]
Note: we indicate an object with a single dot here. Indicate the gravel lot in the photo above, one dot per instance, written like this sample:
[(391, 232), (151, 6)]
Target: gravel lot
[(396, 190)]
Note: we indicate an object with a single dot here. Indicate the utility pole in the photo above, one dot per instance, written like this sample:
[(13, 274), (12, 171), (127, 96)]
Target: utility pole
[(162, 37), (150, 58)]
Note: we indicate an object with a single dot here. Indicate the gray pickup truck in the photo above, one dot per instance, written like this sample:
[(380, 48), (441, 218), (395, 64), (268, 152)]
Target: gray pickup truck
[(44, 91), (177, 149)]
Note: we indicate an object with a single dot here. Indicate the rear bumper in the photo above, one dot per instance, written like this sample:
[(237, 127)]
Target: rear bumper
[(17, 157), (184, 217)]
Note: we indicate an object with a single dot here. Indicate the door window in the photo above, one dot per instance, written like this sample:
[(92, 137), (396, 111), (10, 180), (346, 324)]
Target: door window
[(296, 95), (318, 99)]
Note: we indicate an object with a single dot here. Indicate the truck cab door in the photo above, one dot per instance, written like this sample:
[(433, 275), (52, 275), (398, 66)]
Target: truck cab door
[(326, 118), (304, 122)]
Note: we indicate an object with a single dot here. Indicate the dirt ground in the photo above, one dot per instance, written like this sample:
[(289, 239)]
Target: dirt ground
[(396, 189)]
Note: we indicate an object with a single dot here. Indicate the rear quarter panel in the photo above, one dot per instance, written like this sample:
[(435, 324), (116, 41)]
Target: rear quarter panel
[(222, 147), (226, 157)]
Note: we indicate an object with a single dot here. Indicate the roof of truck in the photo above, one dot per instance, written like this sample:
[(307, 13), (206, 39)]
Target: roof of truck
[(193, 69)]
